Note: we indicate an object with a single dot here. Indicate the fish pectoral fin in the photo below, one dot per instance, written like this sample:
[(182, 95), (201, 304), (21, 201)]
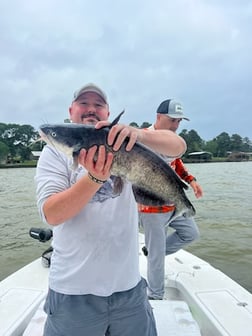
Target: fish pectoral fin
[(146, 197), (75, 160)]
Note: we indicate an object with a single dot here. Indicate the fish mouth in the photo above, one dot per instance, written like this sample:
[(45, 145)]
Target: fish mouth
[(42, 136)]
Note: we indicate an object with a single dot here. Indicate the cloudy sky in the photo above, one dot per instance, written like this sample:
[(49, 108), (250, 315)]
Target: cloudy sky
[(140, 52)]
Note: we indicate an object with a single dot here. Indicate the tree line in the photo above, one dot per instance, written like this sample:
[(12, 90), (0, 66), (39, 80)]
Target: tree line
[(220, 146), (18, 141)]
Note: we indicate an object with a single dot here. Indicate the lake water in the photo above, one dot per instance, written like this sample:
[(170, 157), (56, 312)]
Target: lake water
[(224, 217)]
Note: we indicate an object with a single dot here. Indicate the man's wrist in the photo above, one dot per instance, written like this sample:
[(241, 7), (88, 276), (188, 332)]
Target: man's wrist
[(193, 179), (95, 179)]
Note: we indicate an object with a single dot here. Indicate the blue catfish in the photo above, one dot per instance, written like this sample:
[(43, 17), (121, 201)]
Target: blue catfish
[(154, 182)]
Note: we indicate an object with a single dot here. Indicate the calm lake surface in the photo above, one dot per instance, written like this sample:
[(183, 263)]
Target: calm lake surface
[(224, 216)]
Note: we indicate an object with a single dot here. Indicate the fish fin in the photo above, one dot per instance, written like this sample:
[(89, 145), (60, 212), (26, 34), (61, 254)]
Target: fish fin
[(115, 121), (173, 174), (118, 184), (75, 160), (146, 197), (182, 183)]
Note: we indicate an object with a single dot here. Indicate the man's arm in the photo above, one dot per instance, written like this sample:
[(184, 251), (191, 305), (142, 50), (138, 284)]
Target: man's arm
[(162, 141), (182, 171), (65, 204)]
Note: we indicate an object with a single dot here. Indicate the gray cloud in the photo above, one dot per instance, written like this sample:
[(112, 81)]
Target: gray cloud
[(139, 52)]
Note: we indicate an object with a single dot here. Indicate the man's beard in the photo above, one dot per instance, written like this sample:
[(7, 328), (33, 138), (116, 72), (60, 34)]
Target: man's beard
[(90, 115)]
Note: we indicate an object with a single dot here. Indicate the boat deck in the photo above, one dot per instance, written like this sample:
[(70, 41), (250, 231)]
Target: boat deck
[(199, 300), (25, 294)]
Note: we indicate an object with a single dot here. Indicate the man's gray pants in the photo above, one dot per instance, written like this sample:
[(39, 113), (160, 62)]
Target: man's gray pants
[(159, 244)]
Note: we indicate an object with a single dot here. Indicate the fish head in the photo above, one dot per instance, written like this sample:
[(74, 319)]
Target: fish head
[(67, 138)]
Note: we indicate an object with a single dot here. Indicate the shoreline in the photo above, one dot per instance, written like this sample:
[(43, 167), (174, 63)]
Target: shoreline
[(17, 166), (34, 165)]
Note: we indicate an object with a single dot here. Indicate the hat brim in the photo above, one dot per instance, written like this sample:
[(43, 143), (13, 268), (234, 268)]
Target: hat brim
[(175, 116)]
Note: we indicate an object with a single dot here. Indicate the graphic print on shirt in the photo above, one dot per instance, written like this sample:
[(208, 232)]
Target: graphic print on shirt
[(105, 192)]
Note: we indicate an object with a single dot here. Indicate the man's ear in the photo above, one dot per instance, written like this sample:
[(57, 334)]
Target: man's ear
[(70, 111)]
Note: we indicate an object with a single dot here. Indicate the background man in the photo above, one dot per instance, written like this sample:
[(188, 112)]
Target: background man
[(158, 243)]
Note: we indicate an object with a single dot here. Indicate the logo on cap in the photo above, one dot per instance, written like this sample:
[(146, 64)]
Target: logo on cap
[(178, 108)]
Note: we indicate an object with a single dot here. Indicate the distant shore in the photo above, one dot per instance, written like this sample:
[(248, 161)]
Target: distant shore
[(30, 164), (33, 164)]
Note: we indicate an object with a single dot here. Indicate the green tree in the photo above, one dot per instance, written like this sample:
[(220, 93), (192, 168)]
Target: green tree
[(18, 138), (223, 144), (212, 147), (134, 124), (8, 136), (193, 141), (145, 124), (4, 150), (236, 143), (247, 145)]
